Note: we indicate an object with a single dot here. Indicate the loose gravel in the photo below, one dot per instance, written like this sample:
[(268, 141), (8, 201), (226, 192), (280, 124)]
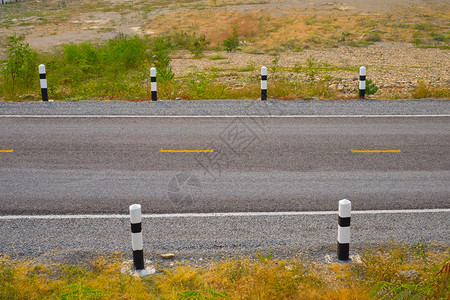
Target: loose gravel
[(230, 107)]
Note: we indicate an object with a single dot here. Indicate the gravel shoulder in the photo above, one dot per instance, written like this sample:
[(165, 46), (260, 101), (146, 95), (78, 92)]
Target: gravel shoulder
[(198, 240), (230, 107)]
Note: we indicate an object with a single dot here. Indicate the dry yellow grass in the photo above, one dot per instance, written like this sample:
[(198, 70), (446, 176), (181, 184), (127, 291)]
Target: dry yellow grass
[(262, 30), (397, 272)]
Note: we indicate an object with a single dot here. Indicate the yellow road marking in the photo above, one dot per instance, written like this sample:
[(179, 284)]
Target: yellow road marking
[(6, 151), (376, 151), (187, 151)]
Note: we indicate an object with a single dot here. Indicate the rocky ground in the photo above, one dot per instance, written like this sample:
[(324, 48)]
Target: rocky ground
[(396, 68)]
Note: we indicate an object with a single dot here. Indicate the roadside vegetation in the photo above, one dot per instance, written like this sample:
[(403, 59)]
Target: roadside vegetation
[(118, 67), (391, 271)]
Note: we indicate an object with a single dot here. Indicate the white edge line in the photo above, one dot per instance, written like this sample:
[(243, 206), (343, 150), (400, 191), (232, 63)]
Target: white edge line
[(230, 214), (222, 116)]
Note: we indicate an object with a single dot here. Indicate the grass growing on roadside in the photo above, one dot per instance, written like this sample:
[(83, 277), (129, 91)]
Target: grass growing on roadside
[(425, 91), (395, 271), (119, 69)]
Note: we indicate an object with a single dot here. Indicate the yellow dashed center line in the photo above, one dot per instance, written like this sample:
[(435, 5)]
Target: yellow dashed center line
[(376, 151), (6, 151), (186, 151)]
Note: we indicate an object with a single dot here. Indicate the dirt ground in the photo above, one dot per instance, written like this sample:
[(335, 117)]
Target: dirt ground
[(73, 21)]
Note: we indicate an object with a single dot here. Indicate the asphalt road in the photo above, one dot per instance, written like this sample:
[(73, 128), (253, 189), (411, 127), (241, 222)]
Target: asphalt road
[(76, 164), (102, 165)]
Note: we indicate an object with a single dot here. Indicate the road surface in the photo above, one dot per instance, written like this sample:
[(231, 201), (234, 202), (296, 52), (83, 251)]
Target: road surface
[(76, 163)]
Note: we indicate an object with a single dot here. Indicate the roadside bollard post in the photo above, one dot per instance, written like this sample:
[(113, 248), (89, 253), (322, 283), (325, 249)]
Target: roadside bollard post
[(263, 83), (343, 238), (153, 84), (136, 237), (362, 83), (43, 79)]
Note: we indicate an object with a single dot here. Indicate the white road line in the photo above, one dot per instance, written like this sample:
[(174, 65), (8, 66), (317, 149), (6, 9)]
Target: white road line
[(222, 116), (229, 214)]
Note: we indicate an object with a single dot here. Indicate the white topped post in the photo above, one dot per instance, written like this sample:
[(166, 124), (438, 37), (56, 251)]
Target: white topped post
[(343, 238), (362, 83), (153, 84), (43, 79), (136, 237), (263, 83)]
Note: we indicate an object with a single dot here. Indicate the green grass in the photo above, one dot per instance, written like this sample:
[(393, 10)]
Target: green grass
[(392, 271), (216, 57)]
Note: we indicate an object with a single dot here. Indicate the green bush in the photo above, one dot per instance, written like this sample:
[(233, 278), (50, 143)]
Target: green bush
[(124, 53), (158, 55), (232, 43), (198, 46), (20, 69)]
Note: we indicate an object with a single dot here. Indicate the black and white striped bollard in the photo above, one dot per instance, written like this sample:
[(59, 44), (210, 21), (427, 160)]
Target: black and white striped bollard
[(153, 84), (43, 79), (343, 238), (136, 237), (362, 83), (263, 83)]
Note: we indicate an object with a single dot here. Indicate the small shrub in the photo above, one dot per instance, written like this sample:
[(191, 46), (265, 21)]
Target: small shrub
[(232, 43), (198, 45), (344, 36), (311, 69), (371, 88), (159, 56), (20, 69)]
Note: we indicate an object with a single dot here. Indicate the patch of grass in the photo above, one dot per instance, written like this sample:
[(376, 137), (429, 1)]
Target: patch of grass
[(440, 37), (424, 27), (216, 57), (391, 271), (294, 45), (250, 67), (425, 91), (417, 42), (353, 43), (373, 37)]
